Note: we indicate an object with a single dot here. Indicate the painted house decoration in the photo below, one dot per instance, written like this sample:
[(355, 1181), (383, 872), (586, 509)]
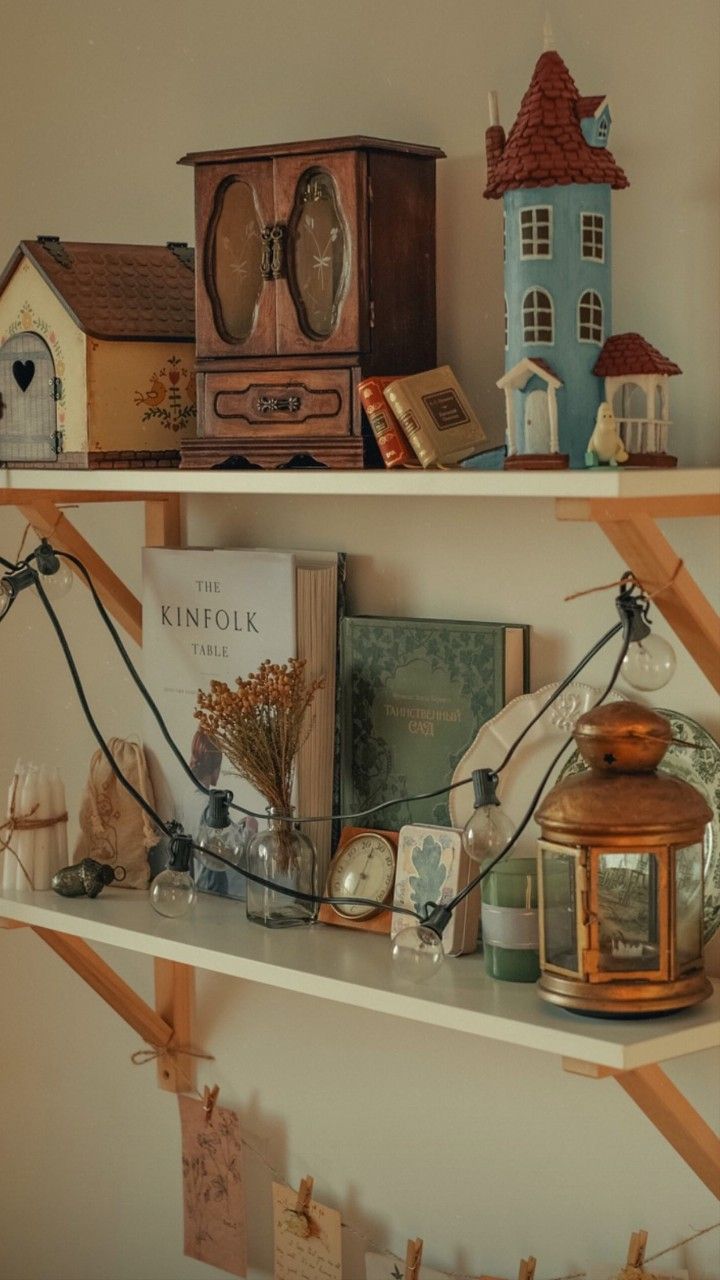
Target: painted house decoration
[(555, 174), (96, 355)]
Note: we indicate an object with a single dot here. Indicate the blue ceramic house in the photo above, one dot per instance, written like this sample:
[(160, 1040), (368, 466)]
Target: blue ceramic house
[(555, 174)]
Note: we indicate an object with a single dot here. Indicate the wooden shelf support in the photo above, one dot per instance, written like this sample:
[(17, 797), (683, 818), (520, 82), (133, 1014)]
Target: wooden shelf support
[(171, 1022), (671, 1113), (630, 526)]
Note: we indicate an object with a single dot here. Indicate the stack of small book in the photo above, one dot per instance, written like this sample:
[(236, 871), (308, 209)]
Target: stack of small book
[(425, 420)]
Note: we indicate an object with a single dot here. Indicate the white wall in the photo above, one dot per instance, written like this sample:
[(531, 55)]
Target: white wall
[(486, 1152)]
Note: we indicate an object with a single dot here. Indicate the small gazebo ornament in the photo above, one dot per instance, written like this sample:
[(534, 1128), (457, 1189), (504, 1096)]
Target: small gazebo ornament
[(620, 873)]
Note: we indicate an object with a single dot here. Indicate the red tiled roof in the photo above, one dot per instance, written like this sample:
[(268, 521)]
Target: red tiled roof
[(132, 291), (588, 106), (628, 353), (543, 364), (546, 147)]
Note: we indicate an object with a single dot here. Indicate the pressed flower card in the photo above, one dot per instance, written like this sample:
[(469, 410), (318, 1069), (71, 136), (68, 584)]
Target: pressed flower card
[(308, 1246), (213, 1187)]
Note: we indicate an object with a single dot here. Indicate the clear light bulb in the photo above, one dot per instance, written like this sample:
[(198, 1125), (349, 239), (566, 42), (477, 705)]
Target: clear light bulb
[(649, 663), (56, 585), (417, 953), (6, 597), (486, 832), (488, 829), (173, 892)]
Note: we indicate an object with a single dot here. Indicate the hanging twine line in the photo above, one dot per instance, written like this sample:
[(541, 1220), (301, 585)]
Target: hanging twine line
[(171, 1051), (456, 1275), (631, 578)]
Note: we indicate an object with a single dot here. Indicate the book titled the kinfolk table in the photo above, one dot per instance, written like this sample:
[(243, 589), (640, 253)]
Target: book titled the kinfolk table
[(216, 615)]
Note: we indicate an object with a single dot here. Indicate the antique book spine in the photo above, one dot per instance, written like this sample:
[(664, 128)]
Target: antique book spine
[(392, 443), (413, 426)]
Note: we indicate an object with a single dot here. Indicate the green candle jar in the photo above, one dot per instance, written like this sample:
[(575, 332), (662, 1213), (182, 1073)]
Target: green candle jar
[(510, 921)]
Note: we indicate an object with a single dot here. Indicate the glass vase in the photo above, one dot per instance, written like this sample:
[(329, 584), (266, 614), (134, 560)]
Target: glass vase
[(283, 854)]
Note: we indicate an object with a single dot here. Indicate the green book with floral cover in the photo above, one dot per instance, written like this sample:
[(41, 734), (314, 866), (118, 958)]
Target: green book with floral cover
[(413, 694)]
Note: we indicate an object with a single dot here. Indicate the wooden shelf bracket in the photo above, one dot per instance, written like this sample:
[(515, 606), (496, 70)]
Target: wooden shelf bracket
[(671, 1113)]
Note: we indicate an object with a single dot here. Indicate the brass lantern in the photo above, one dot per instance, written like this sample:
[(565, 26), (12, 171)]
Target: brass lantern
[(620, 873)]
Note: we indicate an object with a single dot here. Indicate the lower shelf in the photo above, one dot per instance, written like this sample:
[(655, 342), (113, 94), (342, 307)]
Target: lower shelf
[(355, 969)]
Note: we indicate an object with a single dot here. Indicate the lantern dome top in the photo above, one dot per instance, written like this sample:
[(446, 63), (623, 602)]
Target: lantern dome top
[(622, 737), (597, 807)]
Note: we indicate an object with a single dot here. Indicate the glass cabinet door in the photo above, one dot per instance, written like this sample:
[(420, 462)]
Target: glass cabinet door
[(318, 298), (236, 311), (318, 254)]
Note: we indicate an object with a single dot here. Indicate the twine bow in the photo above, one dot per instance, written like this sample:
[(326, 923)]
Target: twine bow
[(630, 578), (173, 1051)]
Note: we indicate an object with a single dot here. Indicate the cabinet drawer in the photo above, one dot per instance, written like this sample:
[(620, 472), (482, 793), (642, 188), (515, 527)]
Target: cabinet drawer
[(292, 404)]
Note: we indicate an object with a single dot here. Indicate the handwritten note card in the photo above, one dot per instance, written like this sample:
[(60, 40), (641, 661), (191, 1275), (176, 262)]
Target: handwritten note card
[(213, 1187), (307, 1246), (379, 1266)]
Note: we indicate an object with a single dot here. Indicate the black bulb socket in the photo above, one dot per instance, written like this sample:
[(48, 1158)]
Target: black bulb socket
[(181, 852), (46, 559), (437, 918), (217, 810), (485, 787)]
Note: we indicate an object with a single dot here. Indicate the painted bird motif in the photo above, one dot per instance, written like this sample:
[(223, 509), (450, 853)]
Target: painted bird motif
[(153, 397)]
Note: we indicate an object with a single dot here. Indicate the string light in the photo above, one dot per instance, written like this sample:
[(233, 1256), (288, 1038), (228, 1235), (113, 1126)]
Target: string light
[(418, 949)]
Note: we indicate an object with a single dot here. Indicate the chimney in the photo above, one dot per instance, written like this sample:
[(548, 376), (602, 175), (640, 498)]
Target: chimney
[(494, 137)]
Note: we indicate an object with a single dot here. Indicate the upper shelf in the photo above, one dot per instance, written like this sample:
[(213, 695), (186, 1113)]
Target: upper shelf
[(356, 969), (597, 483)]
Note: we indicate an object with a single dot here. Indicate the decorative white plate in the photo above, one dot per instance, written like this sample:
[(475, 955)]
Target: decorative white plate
[(522, 775), (699, 765)]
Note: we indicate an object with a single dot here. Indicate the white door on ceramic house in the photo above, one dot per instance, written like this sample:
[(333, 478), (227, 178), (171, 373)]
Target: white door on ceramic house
[(27, 400), (537, 422)]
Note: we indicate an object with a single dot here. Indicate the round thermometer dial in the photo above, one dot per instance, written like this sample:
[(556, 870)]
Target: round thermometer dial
[(364, 868)]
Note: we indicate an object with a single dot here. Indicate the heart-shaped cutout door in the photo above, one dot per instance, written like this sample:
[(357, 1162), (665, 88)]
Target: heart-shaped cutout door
[(23, 373)]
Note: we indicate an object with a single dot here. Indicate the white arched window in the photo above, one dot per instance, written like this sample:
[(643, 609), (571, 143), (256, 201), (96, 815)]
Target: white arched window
[(538, 317), (590, 317)]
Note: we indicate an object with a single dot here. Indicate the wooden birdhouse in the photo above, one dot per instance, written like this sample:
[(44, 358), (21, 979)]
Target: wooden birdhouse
[(96, 355)]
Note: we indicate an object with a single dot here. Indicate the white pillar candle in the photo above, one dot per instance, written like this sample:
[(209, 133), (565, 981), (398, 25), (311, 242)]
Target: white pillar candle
[(24, 839), (44, 842)]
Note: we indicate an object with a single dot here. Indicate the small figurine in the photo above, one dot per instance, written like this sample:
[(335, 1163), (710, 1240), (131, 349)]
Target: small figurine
[(85, 879), (605, 448)]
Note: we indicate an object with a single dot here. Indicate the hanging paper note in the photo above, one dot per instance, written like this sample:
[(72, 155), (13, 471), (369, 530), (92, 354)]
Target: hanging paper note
[(213, 1187), (610, 1272), (379, 1266), (308, 1246)]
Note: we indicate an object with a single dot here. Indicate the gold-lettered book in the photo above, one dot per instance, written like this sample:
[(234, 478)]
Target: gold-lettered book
[(413, 694), (436, 416)]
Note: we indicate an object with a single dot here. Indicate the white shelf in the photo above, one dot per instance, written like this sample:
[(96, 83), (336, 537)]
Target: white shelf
[(356, 969), (599, 483)]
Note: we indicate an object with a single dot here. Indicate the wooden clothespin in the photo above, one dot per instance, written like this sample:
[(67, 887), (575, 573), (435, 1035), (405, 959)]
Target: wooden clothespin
[(209, 1100), (527, 1269), (302, 1204), (636, 1249), (413, 1258)]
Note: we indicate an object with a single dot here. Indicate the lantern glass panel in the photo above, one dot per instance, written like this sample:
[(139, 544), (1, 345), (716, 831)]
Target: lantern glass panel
[(627, 911), (689, 904), (559, 882)]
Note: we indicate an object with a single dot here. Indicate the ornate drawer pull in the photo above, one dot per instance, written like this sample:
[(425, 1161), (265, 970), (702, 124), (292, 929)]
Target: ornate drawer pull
[(278, 404)]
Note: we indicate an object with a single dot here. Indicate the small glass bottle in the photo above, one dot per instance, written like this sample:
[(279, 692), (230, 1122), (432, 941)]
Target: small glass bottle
[(283, 854)]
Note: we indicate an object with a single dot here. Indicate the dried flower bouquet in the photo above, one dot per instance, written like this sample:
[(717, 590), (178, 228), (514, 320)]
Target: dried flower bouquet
[(260, 725)]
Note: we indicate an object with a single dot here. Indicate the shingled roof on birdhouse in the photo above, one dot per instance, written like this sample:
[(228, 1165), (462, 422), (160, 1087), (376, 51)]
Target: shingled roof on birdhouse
[(625, 354), (96, 354), (130, 291), (546, 146)]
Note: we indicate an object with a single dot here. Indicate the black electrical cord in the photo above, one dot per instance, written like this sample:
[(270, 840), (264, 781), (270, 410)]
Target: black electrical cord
[(171, 829), (340, 817), (478, 879)]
